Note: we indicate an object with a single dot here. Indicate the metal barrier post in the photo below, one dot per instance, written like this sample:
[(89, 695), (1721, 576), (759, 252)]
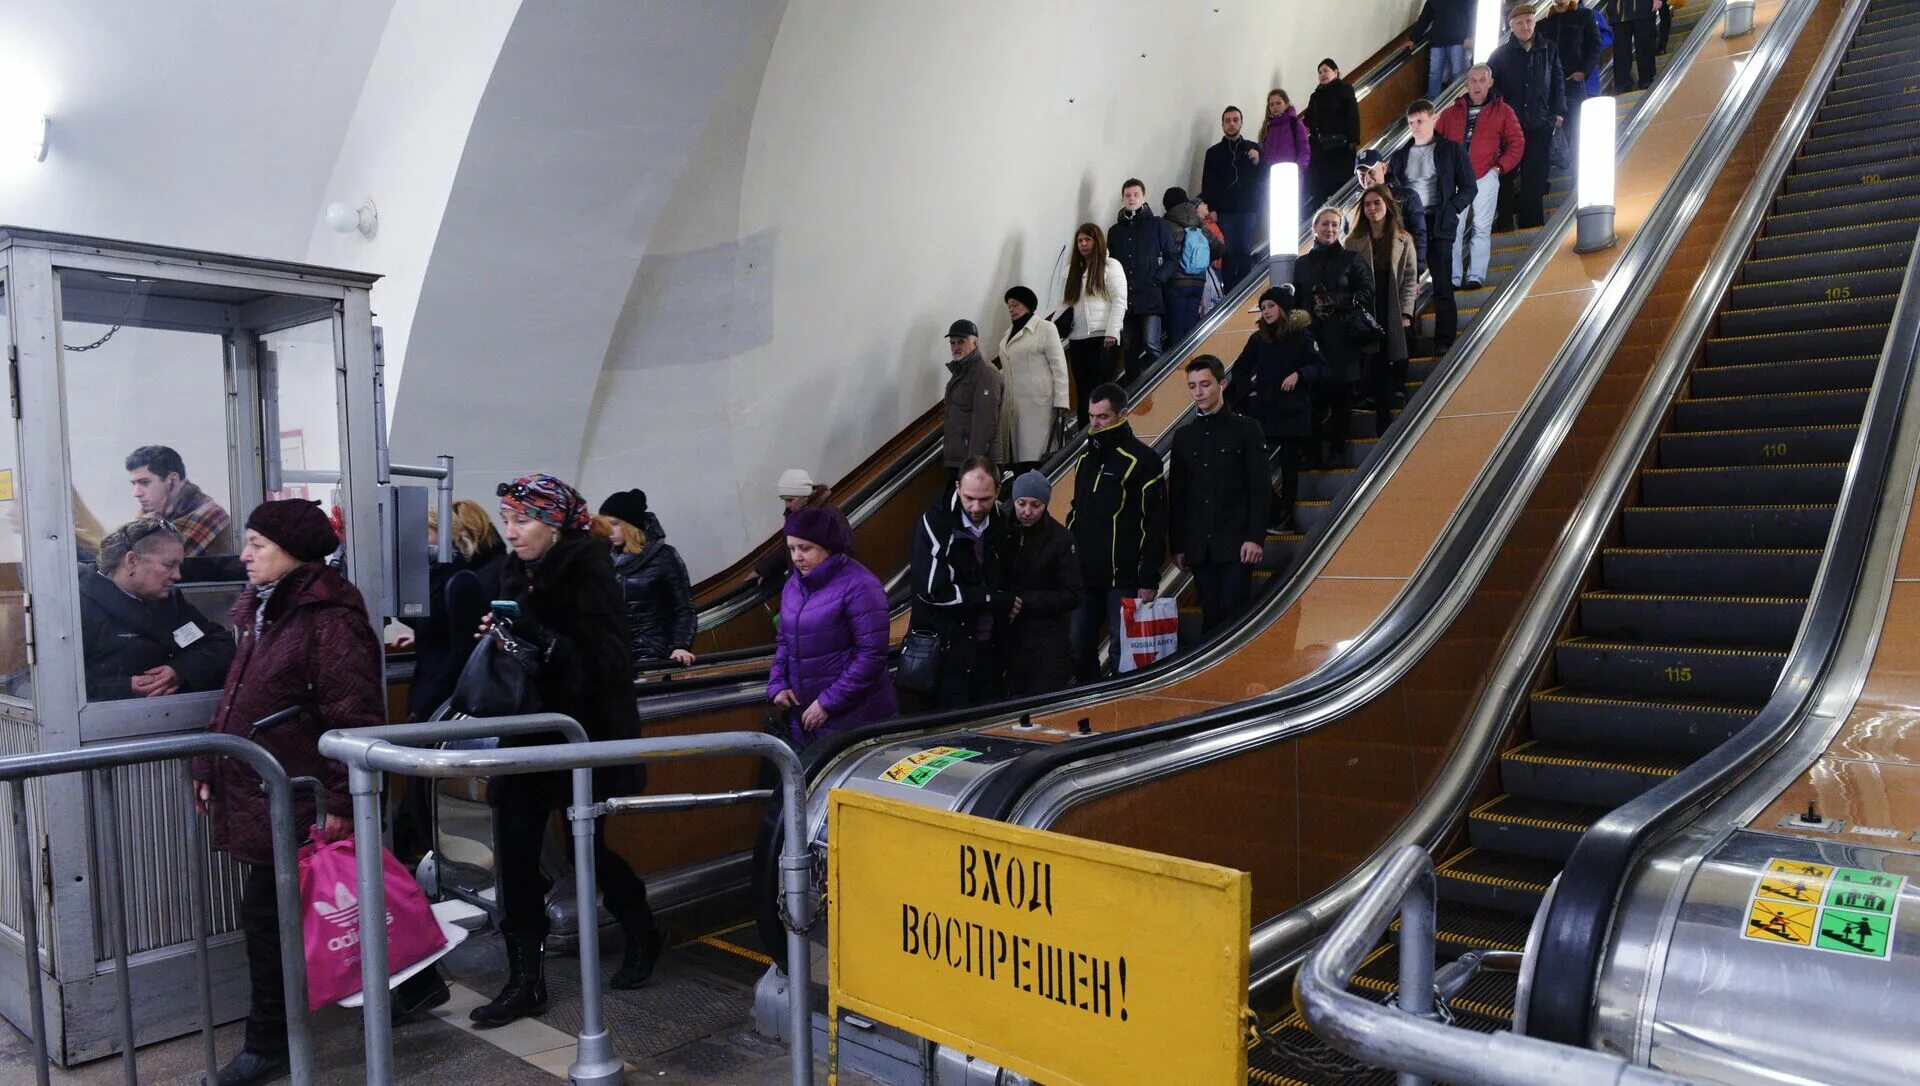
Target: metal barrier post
[(1417, 938), (114, 900), (370, 869), (594, 1063), (202, 920), (30, 929)]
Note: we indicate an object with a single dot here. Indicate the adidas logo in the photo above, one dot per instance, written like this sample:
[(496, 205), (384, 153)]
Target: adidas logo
[(343, 913)]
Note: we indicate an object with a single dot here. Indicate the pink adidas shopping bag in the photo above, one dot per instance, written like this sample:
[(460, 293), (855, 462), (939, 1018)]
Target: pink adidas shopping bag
[(330, 920)]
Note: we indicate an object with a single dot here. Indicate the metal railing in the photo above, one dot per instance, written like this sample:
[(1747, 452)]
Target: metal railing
[(371, 752), (1411, 1035), (98, 762)]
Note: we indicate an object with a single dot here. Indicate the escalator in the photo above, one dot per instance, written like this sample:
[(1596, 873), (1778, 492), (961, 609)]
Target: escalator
[(1679, 637)]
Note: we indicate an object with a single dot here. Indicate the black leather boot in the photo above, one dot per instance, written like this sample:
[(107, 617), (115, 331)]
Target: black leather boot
[(645, 943), (526, 989)]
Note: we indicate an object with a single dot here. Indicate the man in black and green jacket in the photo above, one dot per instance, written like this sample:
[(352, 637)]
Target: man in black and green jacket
[(1119, 523)]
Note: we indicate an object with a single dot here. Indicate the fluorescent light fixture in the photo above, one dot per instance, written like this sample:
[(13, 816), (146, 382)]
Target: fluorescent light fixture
[(1487, 24), (1594, 198), (1283, 221), (1739, 18), (26, 132)]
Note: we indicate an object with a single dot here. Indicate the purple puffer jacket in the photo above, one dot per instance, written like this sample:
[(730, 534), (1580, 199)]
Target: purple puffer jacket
[(832, 647), (1286, 141)]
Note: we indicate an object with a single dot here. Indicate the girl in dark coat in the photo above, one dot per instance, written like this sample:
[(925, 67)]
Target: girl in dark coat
[(1328, 281), (1043, 573), (653, 580), (1333, 121), (1272, 383), (571, 605), (830, 660), (304, 641)]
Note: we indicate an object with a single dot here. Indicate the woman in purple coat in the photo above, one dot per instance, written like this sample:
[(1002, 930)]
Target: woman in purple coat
[(830, 661)]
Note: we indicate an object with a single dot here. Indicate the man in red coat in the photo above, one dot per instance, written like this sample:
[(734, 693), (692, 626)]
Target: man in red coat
[(1490, 129)]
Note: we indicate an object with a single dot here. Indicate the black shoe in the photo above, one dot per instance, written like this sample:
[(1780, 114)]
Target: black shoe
[(250, 1068), (525, 992), (419, 994), (1440, 348), (1282, 525), (637, 960), (1475, 284)]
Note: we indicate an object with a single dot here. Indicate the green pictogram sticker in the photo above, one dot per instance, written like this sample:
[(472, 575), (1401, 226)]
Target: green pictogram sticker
[(1877, 880), (1854, 932), (1853, 896), (919, 775)]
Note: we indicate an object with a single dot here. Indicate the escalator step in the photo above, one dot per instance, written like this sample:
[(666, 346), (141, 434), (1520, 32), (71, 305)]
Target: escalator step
[(1328, 485), (1762, 445), (1727, 572), (1784, 224), (1848, 187), (1795, 346), (1816, 375), (1818, 144), (1581, 775), (1726, 525), (1290, 1055), (1308, 516), (1873, 75), (1463, 927), (1489, 995), (1855, 156), (1582, 720), (1799, 483), (1827, 407), (1860, 309), (1744, 675), (1524, 826), (1809, 255), (1813, 245), (1892, 43), (1872, 88), (1493, 880), (1891, 96), (1762, 622)]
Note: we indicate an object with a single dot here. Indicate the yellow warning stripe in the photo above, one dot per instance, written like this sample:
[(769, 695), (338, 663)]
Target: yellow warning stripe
[(1268, 1078), (1451, 871), (1443, 934), (1832, 360), (1778, 395), (1852, 150), (1712, 550), (1519, 754), (1821, 301), (1802, 332), (1681, 706), (1830, 252), (1689, 650), (1487, 813), (1605, 595), (737, 951), (1768, 429), (1778, 215), (1723, 508), (1740, 467), (1869, 167)]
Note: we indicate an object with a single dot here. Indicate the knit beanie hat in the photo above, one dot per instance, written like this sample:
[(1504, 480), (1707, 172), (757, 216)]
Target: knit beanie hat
[(1025, 296), (296, 526), (626, 505), (795, 483), (1281, 296), (546, 499), (1173, 198), (1033, 485), (821, 526)]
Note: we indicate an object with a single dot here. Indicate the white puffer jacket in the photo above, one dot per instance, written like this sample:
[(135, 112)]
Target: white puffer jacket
[(1094, 315)]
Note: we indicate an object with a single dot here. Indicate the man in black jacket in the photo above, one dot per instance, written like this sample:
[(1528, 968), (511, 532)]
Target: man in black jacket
[(1043, 575), (1575, 31), (1232, 184), (1441, 172), (140, 638), (1635, 29), (1118, 521), (1148, 252), (1448, 27), (959, 575), (1528, 73), (1218, 496)]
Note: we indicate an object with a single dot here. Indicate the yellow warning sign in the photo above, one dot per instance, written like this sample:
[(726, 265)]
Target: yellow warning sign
[(1802, 869), (1776, 922), (1794, 888), (1073, 962), (6, 485)]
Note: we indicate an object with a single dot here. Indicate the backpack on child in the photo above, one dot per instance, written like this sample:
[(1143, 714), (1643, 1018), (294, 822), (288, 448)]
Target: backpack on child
[(1195, 255)]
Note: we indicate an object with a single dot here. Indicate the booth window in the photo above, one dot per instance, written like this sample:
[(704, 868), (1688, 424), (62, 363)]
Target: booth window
[(16, 683)]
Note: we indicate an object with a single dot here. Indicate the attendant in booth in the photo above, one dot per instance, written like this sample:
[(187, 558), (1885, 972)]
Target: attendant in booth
[(139, 636), (159, 480)]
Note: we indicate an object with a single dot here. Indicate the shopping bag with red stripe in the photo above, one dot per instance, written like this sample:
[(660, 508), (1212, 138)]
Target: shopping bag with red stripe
[(1150, 630)]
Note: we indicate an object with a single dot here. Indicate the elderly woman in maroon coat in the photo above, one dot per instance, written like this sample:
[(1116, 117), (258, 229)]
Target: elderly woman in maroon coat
[(305, 642), (830, 662)]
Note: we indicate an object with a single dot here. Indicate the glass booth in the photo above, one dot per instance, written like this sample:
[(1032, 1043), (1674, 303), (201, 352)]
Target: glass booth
[(185, 388)]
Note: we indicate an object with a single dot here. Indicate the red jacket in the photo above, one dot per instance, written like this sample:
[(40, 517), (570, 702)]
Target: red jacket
[(1497, 139), (316, 650)]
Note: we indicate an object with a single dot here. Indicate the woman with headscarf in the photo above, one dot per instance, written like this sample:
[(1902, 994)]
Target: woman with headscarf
[(571, 607), (1333, 122), (830, 659), (304, 641), (1036, 369)]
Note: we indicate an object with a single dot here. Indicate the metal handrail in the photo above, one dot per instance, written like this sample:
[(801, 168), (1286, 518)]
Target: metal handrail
[(371, 752), (98, 761), (1409, 1037), (1576, 924)]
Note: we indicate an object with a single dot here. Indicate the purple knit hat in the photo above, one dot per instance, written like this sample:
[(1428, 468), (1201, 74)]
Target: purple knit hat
[(822, 526), (546, 499)]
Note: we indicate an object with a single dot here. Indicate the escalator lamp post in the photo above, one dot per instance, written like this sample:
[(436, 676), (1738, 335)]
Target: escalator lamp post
[(1593, 230), (1739, 18), (1283, 222), (1486, 28)]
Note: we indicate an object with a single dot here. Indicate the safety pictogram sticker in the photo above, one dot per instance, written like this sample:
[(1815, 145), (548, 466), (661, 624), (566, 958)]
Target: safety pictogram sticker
[(1846, 910)]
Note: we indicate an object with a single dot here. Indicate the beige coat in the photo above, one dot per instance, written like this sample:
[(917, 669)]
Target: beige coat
[(1391, 299), (1035, 366)]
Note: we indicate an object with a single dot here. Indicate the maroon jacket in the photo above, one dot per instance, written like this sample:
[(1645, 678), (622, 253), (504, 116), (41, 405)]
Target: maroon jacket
[(316, 650)]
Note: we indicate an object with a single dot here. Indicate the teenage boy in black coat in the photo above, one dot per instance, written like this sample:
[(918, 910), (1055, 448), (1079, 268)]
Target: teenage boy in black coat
[(1218, 496)]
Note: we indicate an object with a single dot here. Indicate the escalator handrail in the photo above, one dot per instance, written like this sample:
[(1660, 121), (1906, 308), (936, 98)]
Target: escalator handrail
[(1576, 925), (1349, 675)]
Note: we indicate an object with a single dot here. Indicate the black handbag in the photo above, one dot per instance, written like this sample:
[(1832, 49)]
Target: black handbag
[(1363, 329), (498, 677), (919, 668), (1064, 322)]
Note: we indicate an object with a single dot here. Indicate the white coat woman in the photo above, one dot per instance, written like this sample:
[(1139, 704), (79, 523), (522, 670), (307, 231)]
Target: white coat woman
[(1035, 365), (1096, 292)]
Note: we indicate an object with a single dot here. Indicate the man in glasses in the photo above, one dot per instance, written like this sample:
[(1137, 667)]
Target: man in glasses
[(140, 637), (159, 480)]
